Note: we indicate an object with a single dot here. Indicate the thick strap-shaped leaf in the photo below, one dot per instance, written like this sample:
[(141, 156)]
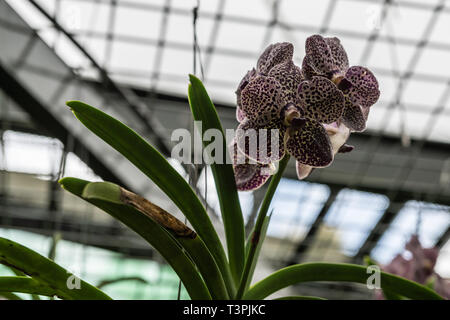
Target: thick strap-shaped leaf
[(8, 285), (147, 159), (203, 110), (336, 272), (10, 296), (107, 196), (45, 271)]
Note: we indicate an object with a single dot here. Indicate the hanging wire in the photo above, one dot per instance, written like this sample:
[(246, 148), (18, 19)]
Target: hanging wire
[(193, 170)]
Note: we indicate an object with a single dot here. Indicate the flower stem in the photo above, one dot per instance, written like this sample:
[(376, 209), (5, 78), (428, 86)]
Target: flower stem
[(255, 237)]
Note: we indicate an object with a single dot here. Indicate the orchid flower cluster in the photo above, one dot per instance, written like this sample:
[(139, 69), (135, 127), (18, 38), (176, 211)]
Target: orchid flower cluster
[(313, 108), (419, 268)]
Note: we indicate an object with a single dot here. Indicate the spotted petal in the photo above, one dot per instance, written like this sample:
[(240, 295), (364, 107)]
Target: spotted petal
[(354, 116), (261, 100), (321, 100), (325, 56), (362, 87), (274, 54), (262, 146), (244, 82), (310, 144), (251, 176), (339, 55), (289, 76), (307, 71)]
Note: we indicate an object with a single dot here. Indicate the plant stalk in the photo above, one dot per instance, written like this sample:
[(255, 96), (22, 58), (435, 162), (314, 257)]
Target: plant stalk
[(255, 238)]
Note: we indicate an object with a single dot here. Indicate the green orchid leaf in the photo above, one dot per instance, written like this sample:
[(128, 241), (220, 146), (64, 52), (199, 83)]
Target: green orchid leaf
[(204, 110), (21, 274), (187, 238), (110, 198), (45, 271), (147, 159), (8, 285), (336, 272), (388, 295), (10, 296)]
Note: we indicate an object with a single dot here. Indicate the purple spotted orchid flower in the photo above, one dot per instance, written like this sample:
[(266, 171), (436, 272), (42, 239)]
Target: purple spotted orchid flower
[(306, 108), (326, 58), (419, 268)]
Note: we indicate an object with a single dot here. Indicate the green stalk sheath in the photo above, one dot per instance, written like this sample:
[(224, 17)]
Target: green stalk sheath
[(28, 285), (336, 272), (45, 271), (147, 159), (204, 110), (255, 239)]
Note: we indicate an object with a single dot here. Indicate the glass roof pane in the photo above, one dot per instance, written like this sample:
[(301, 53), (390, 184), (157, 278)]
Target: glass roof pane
[(358, 16), (179, 29), (406, 22), (415, 88), (309, 13), (84, 16), (240, 36), (440, 31), (254, 9), (295, 206), (230, 69), (353, 215), (434, 220), (440, 130), (132, 57), (172, 64), (390, 57), (20, 147), (431, 62), (239, 40), (145, 23)]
